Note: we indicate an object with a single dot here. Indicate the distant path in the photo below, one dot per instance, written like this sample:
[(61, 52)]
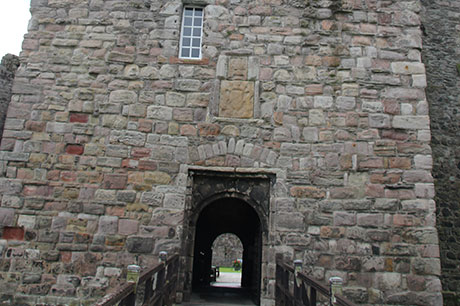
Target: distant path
[(228, 279)]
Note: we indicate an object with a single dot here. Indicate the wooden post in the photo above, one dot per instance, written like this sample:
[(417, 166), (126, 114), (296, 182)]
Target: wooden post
[(163, 256), (297, 281), (297, 267), (133, 275), (335, 284)]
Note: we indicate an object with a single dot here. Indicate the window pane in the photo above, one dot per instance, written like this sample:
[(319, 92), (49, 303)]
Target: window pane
[(185, 52), (196, 42), (195, 52), (196, 32), (186, 42), (197, 22), (191, 33), (188, 31)]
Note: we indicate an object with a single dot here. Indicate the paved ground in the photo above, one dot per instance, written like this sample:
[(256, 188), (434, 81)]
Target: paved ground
[(228, 299), (228, 279), (226, 291)]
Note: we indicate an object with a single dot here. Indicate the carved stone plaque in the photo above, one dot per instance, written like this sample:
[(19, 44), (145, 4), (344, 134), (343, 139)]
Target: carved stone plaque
[(236, 99)]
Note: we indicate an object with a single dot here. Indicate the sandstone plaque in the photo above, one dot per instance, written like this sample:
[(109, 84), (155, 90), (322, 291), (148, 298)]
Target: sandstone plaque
[(238, 68), (236, 99)]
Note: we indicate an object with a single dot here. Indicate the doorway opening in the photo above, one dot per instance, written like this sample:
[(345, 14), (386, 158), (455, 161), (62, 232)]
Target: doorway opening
[(228, 215), (227, 261), (226, 203)]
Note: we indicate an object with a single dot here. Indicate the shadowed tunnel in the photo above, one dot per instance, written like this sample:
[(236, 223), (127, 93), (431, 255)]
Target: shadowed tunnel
[(229, 215)]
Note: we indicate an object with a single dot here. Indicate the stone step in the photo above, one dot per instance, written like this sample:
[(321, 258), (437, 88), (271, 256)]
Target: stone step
[(220, 296)]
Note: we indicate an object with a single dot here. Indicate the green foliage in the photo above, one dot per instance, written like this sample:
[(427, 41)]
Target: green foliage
[(228, 269), (237, 265)]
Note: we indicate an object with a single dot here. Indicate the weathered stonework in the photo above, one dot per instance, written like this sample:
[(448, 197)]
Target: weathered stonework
[(226, 249), (8, 68), (108, 128), (441, 54)]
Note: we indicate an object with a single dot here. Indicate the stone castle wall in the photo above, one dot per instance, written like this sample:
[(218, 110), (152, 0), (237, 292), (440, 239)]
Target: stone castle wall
[(106, 121), (226, 249), (441, 53), (8, 68)]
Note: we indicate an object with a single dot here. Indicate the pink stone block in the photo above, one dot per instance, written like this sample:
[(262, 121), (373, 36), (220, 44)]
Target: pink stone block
[(127, 227), (114, 181), (6, 217)]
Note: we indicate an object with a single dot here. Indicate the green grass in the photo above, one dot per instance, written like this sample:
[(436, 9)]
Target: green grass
[(227, 269)]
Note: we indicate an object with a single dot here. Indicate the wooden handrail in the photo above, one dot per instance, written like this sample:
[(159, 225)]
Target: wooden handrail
[(296, 288), (308, 280), (149, 272), (156, 285), (113, 298)]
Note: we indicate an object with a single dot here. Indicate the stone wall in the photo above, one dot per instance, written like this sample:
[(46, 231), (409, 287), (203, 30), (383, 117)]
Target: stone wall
[(441, 55), (226, 249), (106, 122), (8, 68)]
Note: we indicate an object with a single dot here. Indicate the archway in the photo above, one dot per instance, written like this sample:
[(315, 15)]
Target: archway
[(227, 202), (227, 259), (228, 215)]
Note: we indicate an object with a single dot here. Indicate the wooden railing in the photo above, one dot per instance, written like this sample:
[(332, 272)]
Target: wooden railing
[(294, 288), (156, 287)]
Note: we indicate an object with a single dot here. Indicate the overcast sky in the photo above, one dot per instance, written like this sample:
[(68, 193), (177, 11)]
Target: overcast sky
[(14, 17)]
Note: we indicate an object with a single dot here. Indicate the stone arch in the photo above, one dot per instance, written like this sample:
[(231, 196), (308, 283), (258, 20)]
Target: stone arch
[(261, 212), (236, 153)]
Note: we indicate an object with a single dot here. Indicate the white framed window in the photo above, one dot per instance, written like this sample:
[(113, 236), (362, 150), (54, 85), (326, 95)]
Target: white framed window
[(191, 33)]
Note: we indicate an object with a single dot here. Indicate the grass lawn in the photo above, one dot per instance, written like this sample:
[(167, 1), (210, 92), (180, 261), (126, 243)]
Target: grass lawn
[(227, 269)]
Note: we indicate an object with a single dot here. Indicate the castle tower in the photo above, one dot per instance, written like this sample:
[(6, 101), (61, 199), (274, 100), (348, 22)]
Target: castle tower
[(141, 126)]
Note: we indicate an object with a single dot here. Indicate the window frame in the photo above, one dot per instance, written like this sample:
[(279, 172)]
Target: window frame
[(191, 37)]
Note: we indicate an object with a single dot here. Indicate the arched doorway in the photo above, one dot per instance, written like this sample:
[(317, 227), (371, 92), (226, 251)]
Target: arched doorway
[(221, 203), (228, 215), (227, 260)]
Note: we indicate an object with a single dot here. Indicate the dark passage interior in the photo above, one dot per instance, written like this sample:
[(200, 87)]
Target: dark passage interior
[(228, 215)]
